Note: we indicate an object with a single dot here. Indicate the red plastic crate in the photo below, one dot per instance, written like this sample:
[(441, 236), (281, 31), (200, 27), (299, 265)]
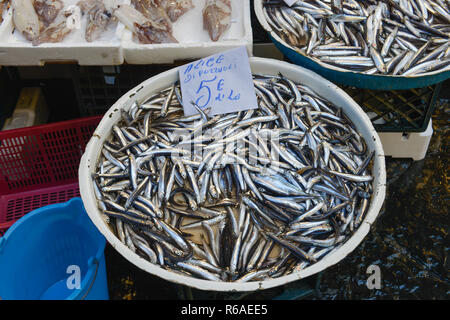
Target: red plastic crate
[(39, 166)]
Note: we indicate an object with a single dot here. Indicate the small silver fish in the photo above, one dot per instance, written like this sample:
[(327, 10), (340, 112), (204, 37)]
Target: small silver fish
[(384, 30), (292, 175)]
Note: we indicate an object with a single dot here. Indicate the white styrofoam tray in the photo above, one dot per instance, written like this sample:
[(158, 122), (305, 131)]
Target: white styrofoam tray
[(117, 45), (15, 50), (258, 65), (194, 42)]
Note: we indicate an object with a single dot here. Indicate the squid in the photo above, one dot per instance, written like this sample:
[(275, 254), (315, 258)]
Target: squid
[(99, 18), (175, 8), (55, 32), (25, 19), (47, 10), (216, 17), (146, 30), (153, 12), (4, 5)]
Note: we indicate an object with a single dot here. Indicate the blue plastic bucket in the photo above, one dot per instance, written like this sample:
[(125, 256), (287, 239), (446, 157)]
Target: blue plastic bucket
[(361, 80), (53, 253)]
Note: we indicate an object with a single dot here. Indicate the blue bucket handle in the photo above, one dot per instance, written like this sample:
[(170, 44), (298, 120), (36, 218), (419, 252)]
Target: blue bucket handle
[(91, 275), (2, 243)]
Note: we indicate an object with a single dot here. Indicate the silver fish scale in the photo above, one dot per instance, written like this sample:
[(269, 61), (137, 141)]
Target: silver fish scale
[(369, 37), (244, 196)]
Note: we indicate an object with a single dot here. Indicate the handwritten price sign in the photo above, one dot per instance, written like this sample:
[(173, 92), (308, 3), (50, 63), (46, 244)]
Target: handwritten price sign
[(222, 83)]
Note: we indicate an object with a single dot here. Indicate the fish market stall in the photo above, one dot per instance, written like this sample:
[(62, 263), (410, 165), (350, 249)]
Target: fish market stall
[(339, 168)]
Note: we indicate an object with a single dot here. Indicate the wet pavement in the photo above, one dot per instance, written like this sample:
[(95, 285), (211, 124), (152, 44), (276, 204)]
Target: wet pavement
[(409, 242), (410, 239)]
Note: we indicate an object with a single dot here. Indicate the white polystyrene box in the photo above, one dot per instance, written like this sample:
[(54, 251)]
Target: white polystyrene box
[(15, 50), (407, 145), (194, 42), (258, 65)]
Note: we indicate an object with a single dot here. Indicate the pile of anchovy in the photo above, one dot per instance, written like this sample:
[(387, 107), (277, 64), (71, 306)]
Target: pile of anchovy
[(391, 37), (242, 196)]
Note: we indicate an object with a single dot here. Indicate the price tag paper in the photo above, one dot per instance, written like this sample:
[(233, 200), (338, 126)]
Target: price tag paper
[(221, 82), (290, 2)]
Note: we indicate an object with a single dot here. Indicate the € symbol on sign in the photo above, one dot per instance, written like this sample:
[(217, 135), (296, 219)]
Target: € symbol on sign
[(205, 92)]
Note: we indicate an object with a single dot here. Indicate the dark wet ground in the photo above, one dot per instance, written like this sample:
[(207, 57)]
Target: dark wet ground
[(410, 239), (409, 242)]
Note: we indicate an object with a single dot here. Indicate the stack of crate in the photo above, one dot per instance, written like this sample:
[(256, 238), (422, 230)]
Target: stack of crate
[(402, 118)]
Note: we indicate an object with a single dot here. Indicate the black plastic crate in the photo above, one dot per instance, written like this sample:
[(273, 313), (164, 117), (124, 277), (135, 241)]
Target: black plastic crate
[(9, 92), (397, 110), (97, 88)]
